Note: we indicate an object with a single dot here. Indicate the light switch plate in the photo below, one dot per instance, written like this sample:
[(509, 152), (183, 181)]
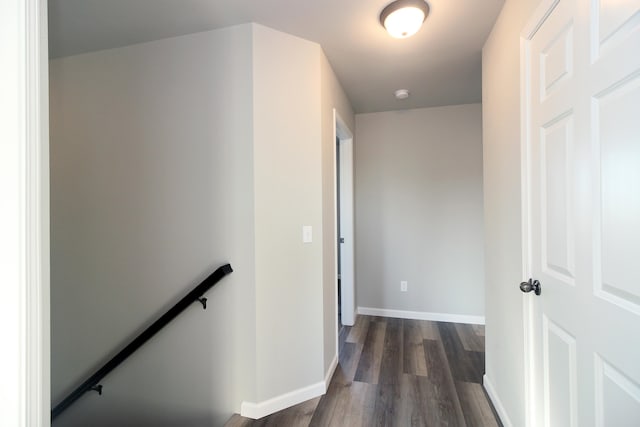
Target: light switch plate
[(307, 234)]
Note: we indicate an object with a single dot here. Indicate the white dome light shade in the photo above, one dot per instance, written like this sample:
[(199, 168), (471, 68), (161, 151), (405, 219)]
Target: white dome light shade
[(404, 22), (401, 94), (403, 18)]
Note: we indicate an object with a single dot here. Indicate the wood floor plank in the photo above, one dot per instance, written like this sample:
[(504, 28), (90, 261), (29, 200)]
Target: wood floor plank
[(414, 361), (355, 405), (470, 340), (346, 404), (238, 421), (343, 333), (390, 372), (429, 329), (476, 365), (297, 416), (380, 382), (449, 410), (327, 405), (475, 406), (417, 407), (391, 364), (464, 365), (412, 402), (348, 361), (358, 332), (368, 370), (384, 411), (479, 330)]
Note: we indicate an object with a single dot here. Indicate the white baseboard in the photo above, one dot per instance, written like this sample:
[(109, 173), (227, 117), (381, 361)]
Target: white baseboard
[(278, 403), (497, 403), (330, 371), (287, 400), (422, 315)]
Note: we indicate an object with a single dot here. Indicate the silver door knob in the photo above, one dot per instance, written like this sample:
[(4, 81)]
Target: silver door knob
[(531, 285)]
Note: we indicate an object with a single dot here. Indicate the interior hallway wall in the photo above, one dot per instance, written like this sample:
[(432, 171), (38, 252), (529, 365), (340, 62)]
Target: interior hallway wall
[(151, 190), (295, 92), (169, 159), (418, 185), (333, 96), (288, 195)]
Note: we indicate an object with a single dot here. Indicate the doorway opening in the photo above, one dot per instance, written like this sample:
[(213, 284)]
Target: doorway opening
[(339, 237), (345, 283)]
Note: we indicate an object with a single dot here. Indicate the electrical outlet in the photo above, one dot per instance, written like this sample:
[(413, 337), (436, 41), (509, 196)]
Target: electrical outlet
[(403, 286)]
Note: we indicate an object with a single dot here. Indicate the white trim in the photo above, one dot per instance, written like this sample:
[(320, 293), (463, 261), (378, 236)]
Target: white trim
[(334, 233), (342, 130), (497, 403), (344, 136), (329, 374), (38, 406), (422, 315), (287, 400), (536, 19), (278, 403), (527, 303), (24, 223), (534, 23)]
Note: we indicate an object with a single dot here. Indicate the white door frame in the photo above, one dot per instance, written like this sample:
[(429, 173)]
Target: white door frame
[(344, 136), (528, 32), (24, 216)]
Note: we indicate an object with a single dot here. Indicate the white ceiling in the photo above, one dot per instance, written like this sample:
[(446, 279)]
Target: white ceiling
[(440, 65)]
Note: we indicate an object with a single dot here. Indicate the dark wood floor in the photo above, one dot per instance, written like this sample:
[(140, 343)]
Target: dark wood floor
[(396, 372)]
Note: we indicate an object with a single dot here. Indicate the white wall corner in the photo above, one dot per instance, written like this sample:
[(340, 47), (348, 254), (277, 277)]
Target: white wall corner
[(497, 403), (284, 401), (330, 371), (422, 315)]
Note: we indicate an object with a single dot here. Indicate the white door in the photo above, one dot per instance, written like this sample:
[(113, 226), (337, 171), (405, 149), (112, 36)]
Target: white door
[(346, 239), (582, 212)]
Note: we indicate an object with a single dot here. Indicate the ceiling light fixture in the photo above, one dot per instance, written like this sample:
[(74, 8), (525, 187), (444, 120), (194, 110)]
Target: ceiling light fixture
[(403, 18), (402, 94)]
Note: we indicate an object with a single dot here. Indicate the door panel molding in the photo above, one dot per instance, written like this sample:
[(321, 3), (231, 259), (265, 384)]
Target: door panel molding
[(621, 392), (561, 376), (612, 171)]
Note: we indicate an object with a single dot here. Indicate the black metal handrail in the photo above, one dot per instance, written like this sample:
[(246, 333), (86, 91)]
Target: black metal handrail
[(92, 383)]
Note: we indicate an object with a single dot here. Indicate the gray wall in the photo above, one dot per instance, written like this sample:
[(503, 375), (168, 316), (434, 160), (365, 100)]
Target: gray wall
[(502, 207), (170, 158), (333, 96), (152, 189), (418, 185), (295, 92), (288, 189)]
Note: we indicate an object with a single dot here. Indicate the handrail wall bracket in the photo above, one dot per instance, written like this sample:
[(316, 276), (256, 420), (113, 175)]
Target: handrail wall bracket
[(203, 301)]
